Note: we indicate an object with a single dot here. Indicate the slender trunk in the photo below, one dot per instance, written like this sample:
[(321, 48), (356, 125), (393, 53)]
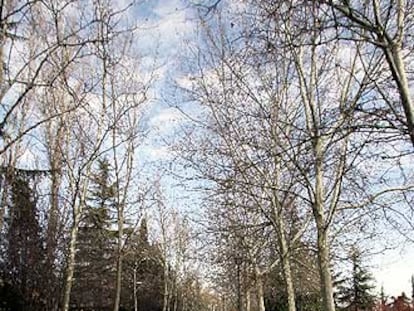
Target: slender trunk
[(324, 271), (71, 258), (55, 160), (165, 301), (398, 70), (4, 194), (6, 180), (2, 43), (287, 274), (322, 244), (284, 253), (248, 300), (3, 86), (135, 289), (51, 291), (260, 292), (184, 302), (223, 304), (119, 261), (169, 297), (285, 260), (53, 218), (175, 305), (239, 294)]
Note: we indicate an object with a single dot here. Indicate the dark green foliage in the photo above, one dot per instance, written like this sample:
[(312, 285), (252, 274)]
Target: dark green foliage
[(94, 276), (306, 280), (355, 292), (143, 232), (95, 273), (309, 302), (276, 297), (24, 275), (144, 258), (101, 198), (10, 298), (24, 259)]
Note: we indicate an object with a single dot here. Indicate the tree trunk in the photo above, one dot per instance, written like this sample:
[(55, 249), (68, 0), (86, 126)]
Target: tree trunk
[(248, 300), (285, 260), (324, 271), (165, 300), (397, 67), (175, 305), (119, 260), (322, 244), (50, 289), (135, 289), (260, 293), (239, 293), (118, 282), (284, 253), (184, 302), (287, 274), (55, 160), (71, 258)]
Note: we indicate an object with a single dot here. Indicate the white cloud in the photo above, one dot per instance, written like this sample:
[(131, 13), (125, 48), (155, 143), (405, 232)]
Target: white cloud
[(173, 24), (168, 7), (155, 153), (168, 117)]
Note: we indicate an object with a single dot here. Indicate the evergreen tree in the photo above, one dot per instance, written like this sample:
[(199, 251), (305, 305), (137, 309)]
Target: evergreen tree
[(383, 298), (143, 232), (355, 292), (25, 251), (94, 272), (101, 198), (143, 260)]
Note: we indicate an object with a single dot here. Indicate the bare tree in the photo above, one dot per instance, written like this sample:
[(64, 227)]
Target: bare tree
[(316, 140), (385, 25), (50, 28), (244, 156)]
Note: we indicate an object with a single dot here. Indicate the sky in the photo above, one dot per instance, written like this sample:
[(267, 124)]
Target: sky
[(394, 269), (168, 28)]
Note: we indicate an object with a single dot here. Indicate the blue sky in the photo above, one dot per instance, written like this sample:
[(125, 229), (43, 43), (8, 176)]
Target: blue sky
[(168, 27)]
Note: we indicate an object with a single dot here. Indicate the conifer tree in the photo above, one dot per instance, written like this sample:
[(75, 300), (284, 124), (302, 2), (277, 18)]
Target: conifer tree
[(383, 299), (355, 292), (143, 232), (95, 256), (25, 252), (142, 267), (101, 198)]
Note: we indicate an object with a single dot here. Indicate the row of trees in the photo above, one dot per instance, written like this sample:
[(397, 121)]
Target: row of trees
[(73, 92), (156, 275), (302, 142), (65, 85)]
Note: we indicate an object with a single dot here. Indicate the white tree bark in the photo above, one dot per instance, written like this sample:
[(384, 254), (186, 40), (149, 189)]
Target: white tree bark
[(260, 291), (71, 256), (390, 41)]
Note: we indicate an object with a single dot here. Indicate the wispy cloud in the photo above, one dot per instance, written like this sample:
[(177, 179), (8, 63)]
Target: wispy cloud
[(166, 118)]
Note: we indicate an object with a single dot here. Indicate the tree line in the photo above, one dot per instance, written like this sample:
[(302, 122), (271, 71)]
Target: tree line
[(155, 273), (299, 142), (74, 91)]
